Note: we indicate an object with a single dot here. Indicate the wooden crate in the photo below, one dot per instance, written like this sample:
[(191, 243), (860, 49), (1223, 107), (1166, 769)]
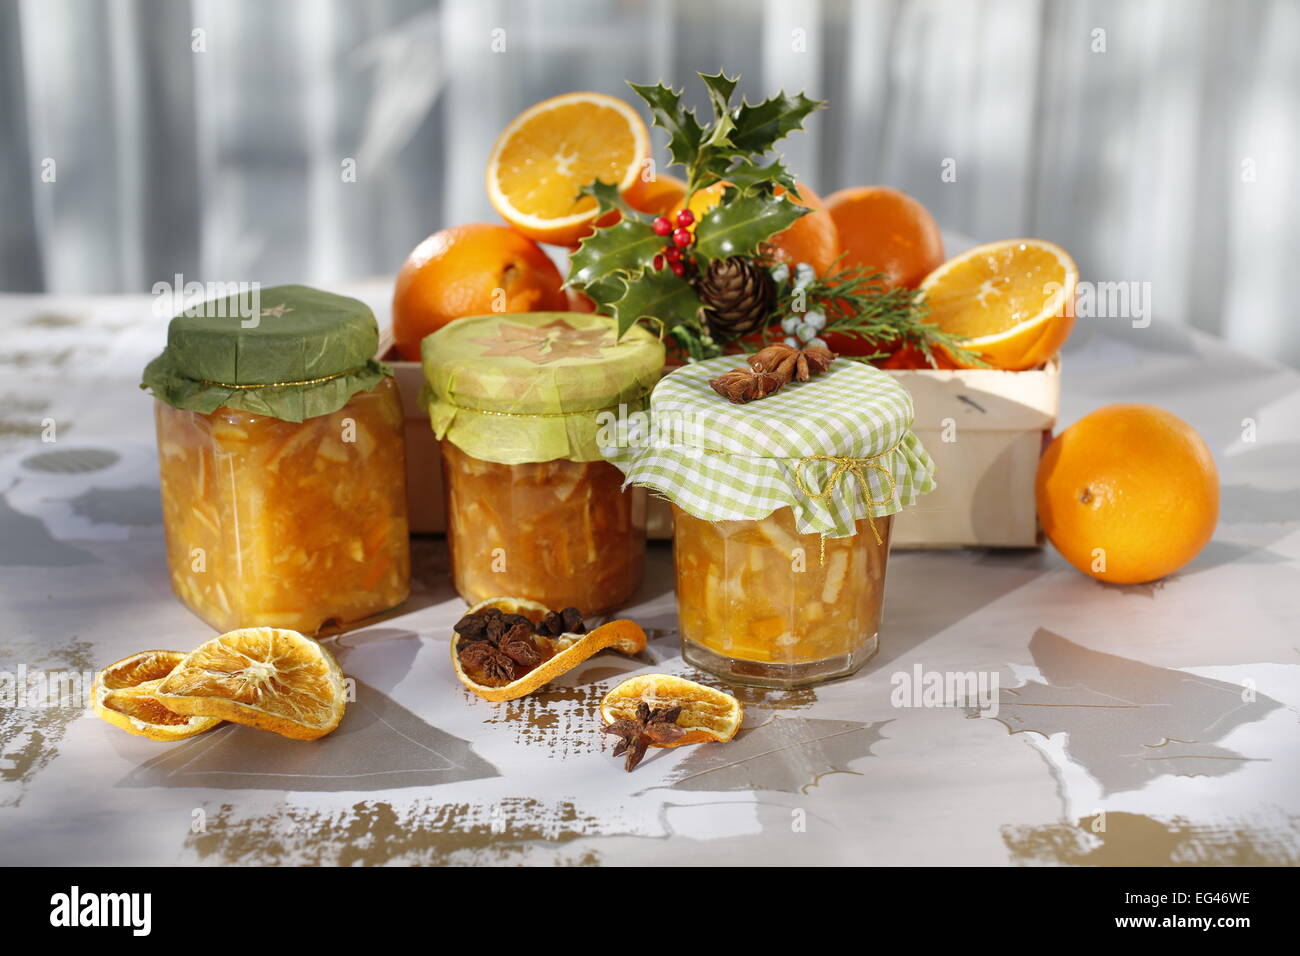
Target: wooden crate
[(996, 423), (985, 431)]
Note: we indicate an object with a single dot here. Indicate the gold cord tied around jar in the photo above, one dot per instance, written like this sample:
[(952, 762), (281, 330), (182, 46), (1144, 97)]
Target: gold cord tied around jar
[(858, 468), (300, 382)]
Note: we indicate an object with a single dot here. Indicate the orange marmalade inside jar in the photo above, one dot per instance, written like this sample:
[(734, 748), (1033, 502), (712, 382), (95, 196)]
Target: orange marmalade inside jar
[(759, 591), (286, 524), (562, 533)]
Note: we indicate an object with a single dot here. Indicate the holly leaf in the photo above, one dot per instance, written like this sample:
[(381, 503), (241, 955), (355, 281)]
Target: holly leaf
[(761, 126), (720, 88), (624, 247), (607, 198), (657, 294), (666, 110), (737, 227), (748, 174), (605, 292)]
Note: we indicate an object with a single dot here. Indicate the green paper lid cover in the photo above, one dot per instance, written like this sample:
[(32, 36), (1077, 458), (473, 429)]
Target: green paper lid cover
[(530, 387), (836, 449), (304, 353)]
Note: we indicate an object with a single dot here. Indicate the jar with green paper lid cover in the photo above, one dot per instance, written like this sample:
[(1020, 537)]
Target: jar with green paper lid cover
[(782, 511), (281, 457), (533, 510)]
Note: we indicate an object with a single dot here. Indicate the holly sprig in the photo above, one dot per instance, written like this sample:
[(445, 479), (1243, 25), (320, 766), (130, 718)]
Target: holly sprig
[(621, 266)]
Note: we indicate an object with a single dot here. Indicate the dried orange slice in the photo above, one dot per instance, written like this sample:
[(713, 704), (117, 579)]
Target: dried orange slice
[(124, 694), (553, 149), (266, 677), (567, 650), (1011, 302), (709, 715)]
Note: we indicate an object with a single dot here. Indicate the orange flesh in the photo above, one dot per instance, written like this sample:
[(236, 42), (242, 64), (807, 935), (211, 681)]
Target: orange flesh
[(994, 292), (144, 709), (550, 156)]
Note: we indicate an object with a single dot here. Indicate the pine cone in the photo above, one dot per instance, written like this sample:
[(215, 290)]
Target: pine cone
[(738, 295)]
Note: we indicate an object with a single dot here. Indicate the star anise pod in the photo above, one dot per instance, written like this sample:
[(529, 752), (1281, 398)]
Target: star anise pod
[(792, 363), (500, 623), (568, 621), (653, 725), (518, 645), (743, 385), (473, 627), (486, 664)]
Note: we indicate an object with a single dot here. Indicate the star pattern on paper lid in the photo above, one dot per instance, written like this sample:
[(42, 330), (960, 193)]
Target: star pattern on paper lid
[(278, 311), (543, 344)]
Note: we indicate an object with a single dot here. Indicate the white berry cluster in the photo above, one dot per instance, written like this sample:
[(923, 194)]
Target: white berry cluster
[(802, 329)]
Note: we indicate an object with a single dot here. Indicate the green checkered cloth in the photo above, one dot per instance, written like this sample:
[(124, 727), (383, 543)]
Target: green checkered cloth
[(810, 447)]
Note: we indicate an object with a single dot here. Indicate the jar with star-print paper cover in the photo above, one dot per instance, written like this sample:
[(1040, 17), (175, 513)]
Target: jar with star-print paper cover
[(281, 454), (533, 511)]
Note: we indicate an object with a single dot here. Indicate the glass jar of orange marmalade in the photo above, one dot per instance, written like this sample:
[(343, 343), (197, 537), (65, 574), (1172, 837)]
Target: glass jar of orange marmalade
[(281, 453), (782, 511), (519, 402)]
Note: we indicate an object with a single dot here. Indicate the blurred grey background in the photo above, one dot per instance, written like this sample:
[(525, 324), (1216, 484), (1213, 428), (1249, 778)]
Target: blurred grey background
[(1157, 140)]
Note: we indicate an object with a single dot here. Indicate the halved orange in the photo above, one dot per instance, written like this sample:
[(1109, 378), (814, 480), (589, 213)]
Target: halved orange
[(660, 194), (266, 677), (1011, 302), (553, 149), (124, 695), (567, 651), (709, 715)]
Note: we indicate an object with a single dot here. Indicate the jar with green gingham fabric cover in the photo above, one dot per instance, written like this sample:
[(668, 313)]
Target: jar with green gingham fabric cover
[(782, 512)]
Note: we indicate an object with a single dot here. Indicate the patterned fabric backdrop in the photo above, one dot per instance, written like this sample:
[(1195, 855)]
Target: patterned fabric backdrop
[(1157, 140)]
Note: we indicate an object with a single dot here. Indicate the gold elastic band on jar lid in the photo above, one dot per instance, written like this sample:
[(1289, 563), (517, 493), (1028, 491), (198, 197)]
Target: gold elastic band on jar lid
[(583, 411), (305, 381)]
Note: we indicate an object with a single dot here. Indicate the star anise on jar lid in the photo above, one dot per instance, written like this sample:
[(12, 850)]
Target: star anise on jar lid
[(743, 385), (653, 725), (789, 362)]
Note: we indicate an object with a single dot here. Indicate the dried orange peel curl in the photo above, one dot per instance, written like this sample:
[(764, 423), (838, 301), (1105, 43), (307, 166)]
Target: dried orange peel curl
[(565, 651)]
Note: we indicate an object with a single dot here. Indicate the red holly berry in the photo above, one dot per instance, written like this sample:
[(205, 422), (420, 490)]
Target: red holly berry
[(679, 270), (683, 237), (662, 226), (659, 262), (673, 253), (685, 217)]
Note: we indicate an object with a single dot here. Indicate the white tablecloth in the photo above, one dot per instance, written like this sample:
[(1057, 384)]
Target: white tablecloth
[(1153, 724)]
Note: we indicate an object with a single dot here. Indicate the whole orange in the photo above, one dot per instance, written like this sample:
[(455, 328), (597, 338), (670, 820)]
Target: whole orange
[(660, 195), (812, 239), (1128, 494), (884, 230), (470, 270)]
